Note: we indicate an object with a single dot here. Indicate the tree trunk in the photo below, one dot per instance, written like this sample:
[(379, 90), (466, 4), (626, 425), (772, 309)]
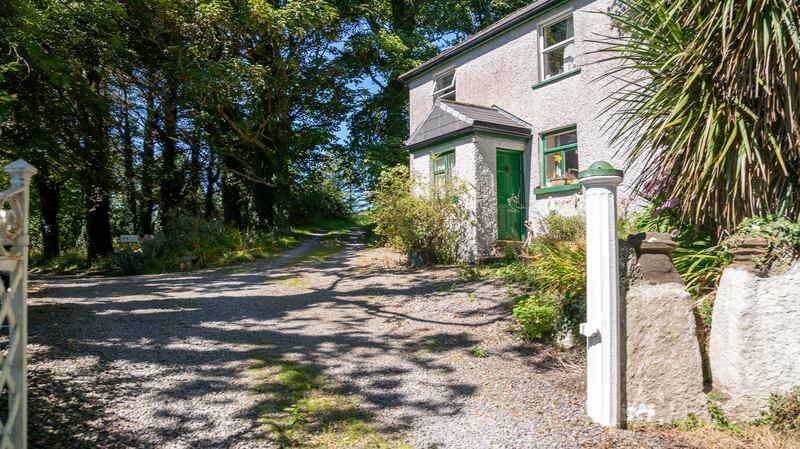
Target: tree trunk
[(212, 176), (263, 195), (97, 176), (130, 174), (171, 179), (98, 216), (233, 195), (148, 165), (49, 192), (195, 167)]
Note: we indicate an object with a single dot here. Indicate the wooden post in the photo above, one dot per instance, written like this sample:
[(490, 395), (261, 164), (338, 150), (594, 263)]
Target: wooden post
[(602, 327)]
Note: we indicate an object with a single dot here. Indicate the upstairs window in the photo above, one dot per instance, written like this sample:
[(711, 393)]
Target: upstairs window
[(560, 154), (445, 86), (557, 47)]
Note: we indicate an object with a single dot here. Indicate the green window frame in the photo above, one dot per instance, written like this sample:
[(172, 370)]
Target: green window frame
[(567, 176), (442, 165)]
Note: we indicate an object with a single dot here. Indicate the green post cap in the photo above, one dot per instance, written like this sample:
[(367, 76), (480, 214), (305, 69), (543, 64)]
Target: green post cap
[(600, 168)]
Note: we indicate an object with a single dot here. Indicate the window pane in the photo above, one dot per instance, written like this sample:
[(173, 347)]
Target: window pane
[(449, 94), (558, 32), (445, 81), (559, 60), (553, 166), (451, 162), (571, 164), (439, 164), (559, 140)]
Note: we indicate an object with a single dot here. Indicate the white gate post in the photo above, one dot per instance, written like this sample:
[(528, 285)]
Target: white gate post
[(602, 327), (18, 196)]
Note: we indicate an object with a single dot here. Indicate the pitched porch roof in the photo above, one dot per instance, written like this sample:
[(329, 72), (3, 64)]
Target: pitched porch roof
[(450, 118)]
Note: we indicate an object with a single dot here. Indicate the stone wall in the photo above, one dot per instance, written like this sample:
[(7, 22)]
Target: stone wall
[(755, 338)]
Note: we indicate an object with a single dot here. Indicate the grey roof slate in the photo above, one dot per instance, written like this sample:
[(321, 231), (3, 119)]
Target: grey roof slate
[(507, 22), (449, 118)]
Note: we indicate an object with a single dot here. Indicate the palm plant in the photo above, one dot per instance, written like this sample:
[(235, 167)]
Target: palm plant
[(707, 100)]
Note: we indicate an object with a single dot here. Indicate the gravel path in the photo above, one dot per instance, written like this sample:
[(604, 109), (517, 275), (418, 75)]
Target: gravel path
[(161, 361)]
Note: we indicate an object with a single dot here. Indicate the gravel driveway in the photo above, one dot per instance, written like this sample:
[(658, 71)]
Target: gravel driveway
[(162, 361)]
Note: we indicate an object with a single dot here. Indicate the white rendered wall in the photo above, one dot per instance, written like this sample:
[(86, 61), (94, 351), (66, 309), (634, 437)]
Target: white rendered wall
[(486, 186), (502, 71), (465, 172)]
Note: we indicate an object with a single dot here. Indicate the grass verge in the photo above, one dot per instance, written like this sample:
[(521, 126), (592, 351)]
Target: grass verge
[(330, 244), (301, 411), (207, 244)]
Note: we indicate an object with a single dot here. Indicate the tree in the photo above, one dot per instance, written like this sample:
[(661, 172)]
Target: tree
[(281, 95), (708, 103), (395, 37)]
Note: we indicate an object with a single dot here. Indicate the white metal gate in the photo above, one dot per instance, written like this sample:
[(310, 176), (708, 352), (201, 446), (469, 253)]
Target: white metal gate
[(13, 305)]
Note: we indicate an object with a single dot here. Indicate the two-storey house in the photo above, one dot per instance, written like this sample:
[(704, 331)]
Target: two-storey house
[(515, 111)]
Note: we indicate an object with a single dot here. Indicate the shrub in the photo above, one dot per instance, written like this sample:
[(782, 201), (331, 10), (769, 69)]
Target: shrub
[(561, 267), (70, 261), (782, 236), (208, 243), (783, 412), (318, 196), (537, 314), (556, 271), (564, 227), (425, 225)]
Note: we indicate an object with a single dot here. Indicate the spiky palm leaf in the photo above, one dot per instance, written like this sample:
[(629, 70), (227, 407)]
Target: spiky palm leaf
[(709, 103)]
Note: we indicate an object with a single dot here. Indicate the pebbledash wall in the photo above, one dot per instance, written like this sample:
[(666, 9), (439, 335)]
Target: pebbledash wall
[(504, 71)]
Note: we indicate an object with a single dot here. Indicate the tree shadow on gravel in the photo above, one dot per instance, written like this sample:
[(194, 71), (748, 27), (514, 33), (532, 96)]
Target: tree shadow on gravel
[(183, 341), (62, 415)]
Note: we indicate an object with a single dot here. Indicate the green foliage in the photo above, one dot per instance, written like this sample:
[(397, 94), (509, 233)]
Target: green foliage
[(697, 259), (318, 196), (517, 273), (427, 224), (707, 104), (71, 261), (401, 35), (537, 315), (561, 267), (782, 236), (300, 410), (479, 353), (783, 412), (564, 227), (210, 244), (690, 424), (556, 272), (779, 231), (719, 418)]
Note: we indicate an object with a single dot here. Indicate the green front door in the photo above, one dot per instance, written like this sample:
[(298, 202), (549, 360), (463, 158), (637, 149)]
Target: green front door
[(510, 198)]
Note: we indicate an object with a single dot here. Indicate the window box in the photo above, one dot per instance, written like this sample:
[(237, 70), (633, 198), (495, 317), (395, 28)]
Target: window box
[(565, 188)]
